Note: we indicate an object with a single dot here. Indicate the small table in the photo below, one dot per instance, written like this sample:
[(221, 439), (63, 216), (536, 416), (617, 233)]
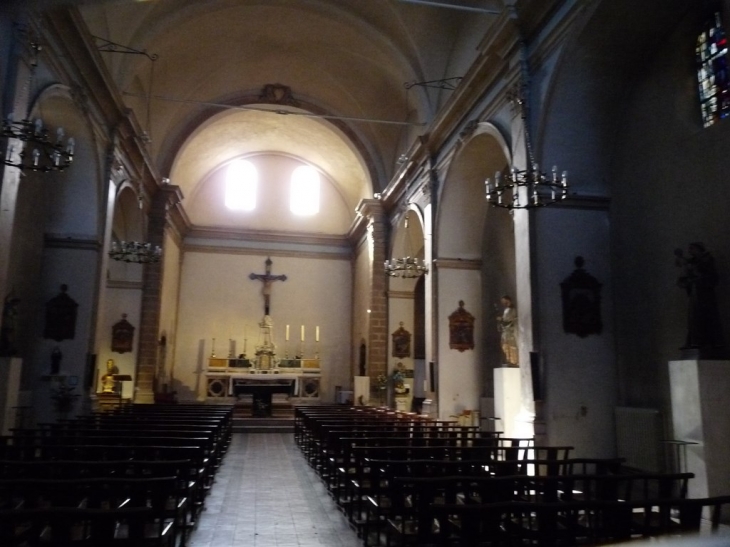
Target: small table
[(262, 390)]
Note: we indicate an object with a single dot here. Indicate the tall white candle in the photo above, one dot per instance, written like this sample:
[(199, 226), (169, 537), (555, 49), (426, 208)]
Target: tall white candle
[(316, 334), (287, 333), (302, 333)]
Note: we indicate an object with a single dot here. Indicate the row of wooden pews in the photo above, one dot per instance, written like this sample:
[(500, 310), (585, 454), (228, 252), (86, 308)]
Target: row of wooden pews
[(136, 476), (403, 479)]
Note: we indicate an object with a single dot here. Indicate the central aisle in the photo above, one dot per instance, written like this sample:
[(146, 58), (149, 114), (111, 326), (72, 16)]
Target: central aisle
[(266, 495)]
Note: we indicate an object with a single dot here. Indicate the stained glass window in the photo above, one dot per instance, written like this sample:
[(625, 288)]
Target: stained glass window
[(712, 71)]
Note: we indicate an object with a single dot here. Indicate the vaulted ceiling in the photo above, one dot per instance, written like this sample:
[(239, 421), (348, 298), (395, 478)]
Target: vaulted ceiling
[(336, 69)]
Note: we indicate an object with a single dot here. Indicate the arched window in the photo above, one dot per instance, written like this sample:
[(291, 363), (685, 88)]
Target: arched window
[(712, 72), (241, 182), (304, 195)]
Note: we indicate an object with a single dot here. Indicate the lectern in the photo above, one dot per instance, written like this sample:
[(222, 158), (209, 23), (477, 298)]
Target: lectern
[(119, 378)]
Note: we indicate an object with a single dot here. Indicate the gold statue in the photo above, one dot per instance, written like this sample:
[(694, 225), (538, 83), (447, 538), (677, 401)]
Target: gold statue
[(108, 382)]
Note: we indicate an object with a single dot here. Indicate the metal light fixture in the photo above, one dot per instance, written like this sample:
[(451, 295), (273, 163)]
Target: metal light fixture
[(38, 151), (134, 252), (529, 188), (408, 266)]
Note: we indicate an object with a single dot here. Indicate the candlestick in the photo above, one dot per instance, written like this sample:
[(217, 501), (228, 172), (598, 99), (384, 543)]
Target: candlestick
[(316, 333), (230, 348), (287, 333), (244, 346), (302, 333), (212, 350)]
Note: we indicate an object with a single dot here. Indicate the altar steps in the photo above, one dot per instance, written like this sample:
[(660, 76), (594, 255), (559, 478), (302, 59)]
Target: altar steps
[(263, 425), (280, 421)]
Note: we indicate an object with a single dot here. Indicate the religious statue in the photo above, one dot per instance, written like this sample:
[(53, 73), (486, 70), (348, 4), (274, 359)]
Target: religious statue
[(698, 279), (399, 386), (108, 381), (507, 327), (267, 279)]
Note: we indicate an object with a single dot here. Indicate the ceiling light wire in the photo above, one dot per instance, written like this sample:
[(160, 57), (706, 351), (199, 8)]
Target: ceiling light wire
[(274, 111)]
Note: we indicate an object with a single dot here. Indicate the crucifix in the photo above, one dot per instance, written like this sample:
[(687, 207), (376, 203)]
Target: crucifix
[(267, 279)]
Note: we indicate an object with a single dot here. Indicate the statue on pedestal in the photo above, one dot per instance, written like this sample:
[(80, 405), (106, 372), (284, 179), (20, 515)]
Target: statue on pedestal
[(266, 350), (699, 279), (507, 327)]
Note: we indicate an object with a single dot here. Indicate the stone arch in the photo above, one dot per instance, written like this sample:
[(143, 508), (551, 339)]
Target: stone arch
[(406, 241), (57, 228), (465, 238)]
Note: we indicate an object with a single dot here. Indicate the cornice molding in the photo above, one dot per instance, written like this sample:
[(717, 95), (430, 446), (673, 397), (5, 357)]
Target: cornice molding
[(403, 295), (224, 233), (60, 241), (214, 249), (457, 264), (577, 201), (122, 284)]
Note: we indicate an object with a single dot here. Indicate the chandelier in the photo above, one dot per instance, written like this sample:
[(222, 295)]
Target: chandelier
[(408, 266), (529, 188), (39, 150), (134, 252)]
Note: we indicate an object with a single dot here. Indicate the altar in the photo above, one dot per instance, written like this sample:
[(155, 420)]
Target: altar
[(302, 377), (262, 392), (267, 371)]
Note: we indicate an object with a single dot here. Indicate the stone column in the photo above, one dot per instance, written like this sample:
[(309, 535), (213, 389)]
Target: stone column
[(377, 227), (166, 197), (10, 176)]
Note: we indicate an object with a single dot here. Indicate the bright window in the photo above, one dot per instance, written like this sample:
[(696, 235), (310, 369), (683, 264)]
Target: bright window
[(241, 182), (304, 197), (712, 72)]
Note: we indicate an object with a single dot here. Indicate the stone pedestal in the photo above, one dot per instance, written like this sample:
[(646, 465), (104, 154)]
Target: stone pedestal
[(507, 399), (9, 389), (699, 390)]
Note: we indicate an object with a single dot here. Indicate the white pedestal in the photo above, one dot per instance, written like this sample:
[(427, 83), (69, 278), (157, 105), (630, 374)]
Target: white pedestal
[(507, 399), (362, 390), (699, 391), (9, 389)]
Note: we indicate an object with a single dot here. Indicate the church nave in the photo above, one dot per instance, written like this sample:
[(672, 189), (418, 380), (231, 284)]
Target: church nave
[(266, 495)]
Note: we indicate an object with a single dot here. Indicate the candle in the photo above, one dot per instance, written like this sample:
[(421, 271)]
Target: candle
[(316, 333), (287, 333), (302, 333)]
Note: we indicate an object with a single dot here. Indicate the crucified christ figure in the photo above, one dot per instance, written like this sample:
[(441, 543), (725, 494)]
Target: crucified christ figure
[(267, 279)]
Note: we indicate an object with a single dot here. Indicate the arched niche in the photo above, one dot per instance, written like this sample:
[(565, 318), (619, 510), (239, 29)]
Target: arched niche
[(474, 249), (407, 240), (56, 213), (463, 208), (72, 197)]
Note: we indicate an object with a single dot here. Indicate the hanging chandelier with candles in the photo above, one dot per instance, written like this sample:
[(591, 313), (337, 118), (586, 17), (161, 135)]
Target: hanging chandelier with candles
[(37, 150), (528, 188), (408, 266), (134, 252)]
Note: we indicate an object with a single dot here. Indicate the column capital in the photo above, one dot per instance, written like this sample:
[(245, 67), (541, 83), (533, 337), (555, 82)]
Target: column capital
[(371, 209)]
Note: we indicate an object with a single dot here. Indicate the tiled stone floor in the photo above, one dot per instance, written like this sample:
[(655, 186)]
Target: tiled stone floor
[(265, 495)]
